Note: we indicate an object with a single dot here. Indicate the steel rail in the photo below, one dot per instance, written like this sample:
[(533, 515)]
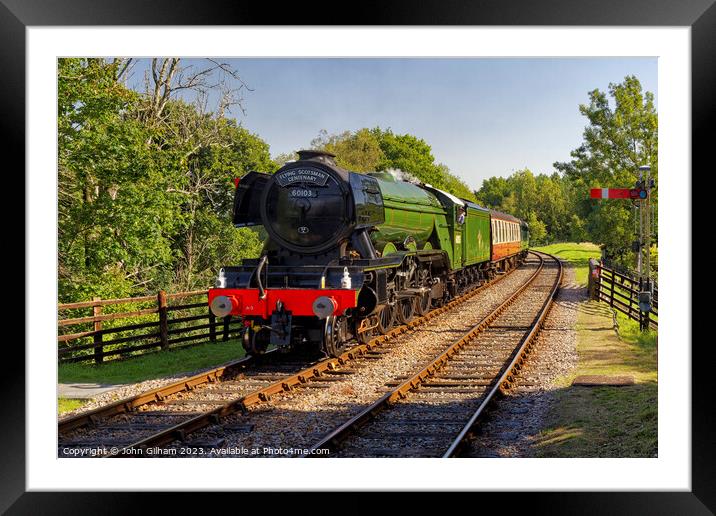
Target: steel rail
[(332, 439), (512, 370), (291, 382), (157, 394)]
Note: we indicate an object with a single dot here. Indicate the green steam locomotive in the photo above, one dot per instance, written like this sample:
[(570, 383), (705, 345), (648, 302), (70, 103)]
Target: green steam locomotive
[(350, 255)]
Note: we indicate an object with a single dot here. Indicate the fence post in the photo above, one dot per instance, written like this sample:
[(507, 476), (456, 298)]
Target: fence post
[(163, 319), (611, 297), (225, 336), (593, 279), (97, 338), (212, 326)]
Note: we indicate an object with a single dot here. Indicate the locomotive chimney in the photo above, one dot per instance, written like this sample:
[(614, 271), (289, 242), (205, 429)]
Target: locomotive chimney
[(318, 155)]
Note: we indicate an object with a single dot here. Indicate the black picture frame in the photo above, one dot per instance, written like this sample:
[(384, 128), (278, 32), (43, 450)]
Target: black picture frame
[(700, 15)]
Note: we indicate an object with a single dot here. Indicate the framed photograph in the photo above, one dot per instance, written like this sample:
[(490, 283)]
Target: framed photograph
[(422, 248)]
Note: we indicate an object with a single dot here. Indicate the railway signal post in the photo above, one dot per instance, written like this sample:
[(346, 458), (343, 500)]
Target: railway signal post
[(647, 288), (641, 194)]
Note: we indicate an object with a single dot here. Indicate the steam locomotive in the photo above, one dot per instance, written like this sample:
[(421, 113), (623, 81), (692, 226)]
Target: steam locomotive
[(350, 255)]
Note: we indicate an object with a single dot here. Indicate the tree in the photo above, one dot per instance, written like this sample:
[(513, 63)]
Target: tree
[(542, 198), (538, 231), (113, 220), (283, 158), (145, 180), (493, 191), (368, 150), (408, 153), (358, 151), (621, 136)]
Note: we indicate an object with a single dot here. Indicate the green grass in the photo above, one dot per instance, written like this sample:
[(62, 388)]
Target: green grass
[(642, 342), (154, 365), (603, 422), (577, 254), (606, 421), (66, 404)]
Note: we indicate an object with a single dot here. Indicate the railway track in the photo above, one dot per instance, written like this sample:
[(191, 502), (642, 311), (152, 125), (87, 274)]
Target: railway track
[(171, 412), (433, 412)]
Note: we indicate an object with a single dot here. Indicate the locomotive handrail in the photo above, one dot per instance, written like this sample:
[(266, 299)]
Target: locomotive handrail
[(257, 273)]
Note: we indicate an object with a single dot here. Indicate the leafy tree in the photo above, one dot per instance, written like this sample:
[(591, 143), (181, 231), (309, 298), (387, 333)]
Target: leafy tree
[(493, 191), (453, 184), (112, 216), (538, 231), (621, 136), (366, 150), (145, 181), (358, 151), (281, 159)]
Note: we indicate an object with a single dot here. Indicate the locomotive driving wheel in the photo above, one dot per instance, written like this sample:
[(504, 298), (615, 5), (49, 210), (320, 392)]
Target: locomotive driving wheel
[(256, 342), (406, 309), (334, 336), (424, 300), (386, 319)]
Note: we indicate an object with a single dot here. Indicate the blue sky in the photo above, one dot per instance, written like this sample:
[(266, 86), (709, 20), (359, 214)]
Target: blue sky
[(482, 117)]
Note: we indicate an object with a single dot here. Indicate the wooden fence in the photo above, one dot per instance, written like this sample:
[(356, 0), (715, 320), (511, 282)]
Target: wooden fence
[(621, 290), (137, 325)]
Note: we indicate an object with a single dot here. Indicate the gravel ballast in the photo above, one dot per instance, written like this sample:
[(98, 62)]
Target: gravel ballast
[(511, 427), (299, 420)]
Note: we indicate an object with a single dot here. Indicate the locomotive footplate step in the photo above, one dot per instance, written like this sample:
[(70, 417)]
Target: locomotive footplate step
[(602, 380)]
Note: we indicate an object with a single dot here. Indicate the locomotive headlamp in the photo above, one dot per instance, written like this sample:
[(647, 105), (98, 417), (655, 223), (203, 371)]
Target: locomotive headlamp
[(221, 306)]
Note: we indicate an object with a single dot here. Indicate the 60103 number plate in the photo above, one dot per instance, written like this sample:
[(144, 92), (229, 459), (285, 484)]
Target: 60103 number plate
[(302, 192)]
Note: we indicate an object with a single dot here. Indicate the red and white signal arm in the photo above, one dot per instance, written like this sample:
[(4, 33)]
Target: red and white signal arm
[(617, 193)]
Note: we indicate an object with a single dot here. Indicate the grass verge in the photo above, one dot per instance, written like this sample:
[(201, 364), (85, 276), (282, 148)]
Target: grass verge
[(603, 421), (154, 365), (577, 254), (66, 404)]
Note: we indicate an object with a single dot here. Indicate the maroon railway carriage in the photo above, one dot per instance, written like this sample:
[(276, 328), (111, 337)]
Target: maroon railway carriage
[(510, 237)]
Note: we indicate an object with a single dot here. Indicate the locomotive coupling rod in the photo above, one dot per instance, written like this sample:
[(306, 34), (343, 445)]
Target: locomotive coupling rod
[(410, 292)]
